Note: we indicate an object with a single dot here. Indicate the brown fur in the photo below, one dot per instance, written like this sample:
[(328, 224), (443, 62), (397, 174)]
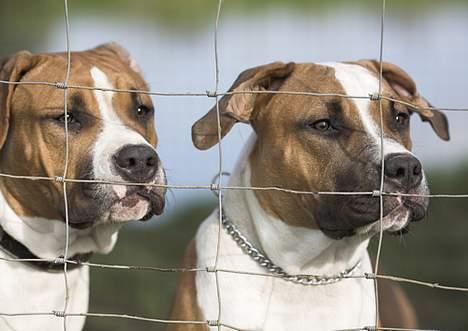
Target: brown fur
[(33, 144), (395, 308), (282, 148), (287, 157), (185, 306)]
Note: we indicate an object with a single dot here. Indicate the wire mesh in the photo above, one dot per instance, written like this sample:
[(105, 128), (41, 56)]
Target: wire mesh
[(218, 187)]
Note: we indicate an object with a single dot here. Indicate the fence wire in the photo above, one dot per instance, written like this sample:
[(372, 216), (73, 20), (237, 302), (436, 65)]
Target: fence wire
[(218, 188)]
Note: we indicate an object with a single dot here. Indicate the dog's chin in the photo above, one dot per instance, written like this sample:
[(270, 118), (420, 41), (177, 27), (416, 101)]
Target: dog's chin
[(395, 221), (99, 205), (139, 205), (129, 208)]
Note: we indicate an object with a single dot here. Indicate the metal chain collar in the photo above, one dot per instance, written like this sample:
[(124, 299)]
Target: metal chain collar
[(267, 264)]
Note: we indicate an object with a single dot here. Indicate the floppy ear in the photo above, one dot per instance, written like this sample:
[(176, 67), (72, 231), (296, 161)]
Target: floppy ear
[(405, 87), (235, 108), (113, 48), (12, 69)]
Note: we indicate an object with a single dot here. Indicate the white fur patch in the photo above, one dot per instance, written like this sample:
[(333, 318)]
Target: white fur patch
[(358, 81), (114, 135), (266, 303)]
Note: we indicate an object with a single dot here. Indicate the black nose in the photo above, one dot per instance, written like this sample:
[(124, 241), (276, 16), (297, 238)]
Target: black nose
[(404, 170), (136, 163)]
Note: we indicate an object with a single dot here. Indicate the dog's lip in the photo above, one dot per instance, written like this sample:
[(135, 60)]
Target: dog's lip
[(156, 199)]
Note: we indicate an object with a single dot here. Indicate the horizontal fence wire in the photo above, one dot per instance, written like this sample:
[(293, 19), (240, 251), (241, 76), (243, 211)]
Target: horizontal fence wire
[(233, 271), (217, 187), (210, 94)]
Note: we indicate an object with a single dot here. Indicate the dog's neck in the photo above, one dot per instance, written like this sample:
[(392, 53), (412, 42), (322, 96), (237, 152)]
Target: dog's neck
[(47, 238), (297, 250)]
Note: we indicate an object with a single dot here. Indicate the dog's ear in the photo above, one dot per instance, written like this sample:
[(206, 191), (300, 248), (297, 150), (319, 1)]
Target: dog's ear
[(405, 87), (12, 69), (115, 49), (239, 107)]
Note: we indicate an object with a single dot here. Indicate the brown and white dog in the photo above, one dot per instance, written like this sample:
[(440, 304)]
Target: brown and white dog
[(307, 143), (111, 137)]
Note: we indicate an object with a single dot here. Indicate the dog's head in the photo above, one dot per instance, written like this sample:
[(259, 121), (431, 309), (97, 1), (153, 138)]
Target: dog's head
[(111, 138), (329, 143)]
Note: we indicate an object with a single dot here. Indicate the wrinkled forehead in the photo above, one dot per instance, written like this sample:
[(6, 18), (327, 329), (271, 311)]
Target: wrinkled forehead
[(349, 80), (353, 81), (87, 69)]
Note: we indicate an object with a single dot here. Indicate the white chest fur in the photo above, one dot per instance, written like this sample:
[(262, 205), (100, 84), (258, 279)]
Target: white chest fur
[(27, 290), (267, 303)]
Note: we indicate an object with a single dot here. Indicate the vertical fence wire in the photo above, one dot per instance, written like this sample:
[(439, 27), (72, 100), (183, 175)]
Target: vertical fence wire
[(65, 170), (219, 187), (220, 166), (382, 160)]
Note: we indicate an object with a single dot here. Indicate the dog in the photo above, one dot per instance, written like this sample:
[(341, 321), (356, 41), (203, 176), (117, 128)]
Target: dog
[(111, 138), (307, 143)]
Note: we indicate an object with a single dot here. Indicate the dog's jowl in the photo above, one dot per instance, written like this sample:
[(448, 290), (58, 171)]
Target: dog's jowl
[(308, 143), (112, 138)]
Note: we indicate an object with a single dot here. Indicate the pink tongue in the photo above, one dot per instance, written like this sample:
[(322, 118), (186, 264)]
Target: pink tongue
[(130, 201)]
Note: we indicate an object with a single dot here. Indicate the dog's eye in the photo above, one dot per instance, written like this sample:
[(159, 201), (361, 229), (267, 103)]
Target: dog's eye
[(402, 119), (321, 125), (69, 118), (143, 111)]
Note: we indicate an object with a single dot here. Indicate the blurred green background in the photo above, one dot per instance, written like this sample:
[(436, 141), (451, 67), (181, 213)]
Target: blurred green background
[(172, 41), (435, 250)]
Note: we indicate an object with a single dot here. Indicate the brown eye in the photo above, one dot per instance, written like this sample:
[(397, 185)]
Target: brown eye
[(69, 118), (322, 125), (143, 111), (402, 119)]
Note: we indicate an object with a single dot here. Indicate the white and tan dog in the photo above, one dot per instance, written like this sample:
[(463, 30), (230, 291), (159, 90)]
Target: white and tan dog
[(307, 143), (111, 138)]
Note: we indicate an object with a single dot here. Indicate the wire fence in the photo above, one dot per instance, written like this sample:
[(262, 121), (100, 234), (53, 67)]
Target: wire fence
[(217, 187)]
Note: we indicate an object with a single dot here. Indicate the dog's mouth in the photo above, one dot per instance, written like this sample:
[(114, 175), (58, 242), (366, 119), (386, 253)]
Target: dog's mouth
[(397, 219), (136, 203), (361, 215), (94, 204)]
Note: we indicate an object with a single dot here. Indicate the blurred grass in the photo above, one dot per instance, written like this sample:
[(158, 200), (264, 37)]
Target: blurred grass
[(435, 250), (25, 23)]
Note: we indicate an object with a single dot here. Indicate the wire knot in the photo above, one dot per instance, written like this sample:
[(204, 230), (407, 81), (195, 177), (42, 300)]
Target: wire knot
[(214, 187), (59, 179), (61, 85), (211, 94), (211, 269), (58, 313), (376, 193), (369, 275), (59, 260), (212, 322), (370, 328), (375, 96)]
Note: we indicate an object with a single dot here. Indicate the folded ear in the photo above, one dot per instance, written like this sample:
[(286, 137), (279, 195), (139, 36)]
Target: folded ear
[(12, 69), (405, 87), (239, 107), (114, 48)]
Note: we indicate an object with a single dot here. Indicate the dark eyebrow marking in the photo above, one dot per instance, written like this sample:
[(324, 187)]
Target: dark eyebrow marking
[(135, 99), (77, 103), (334, 106)]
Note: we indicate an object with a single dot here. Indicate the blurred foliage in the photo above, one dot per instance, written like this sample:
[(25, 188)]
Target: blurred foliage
[(24, 24), (434, 250)]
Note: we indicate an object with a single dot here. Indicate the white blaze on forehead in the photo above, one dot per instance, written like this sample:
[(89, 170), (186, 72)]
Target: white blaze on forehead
[(114, 134), (104, 98), (358, 81)]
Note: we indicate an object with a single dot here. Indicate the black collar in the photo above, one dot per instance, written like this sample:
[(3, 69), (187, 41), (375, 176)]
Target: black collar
[(19, 251)]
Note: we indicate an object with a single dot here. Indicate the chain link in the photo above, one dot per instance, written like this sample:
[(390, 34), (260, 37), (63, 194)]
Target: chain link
[(267, 264)]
